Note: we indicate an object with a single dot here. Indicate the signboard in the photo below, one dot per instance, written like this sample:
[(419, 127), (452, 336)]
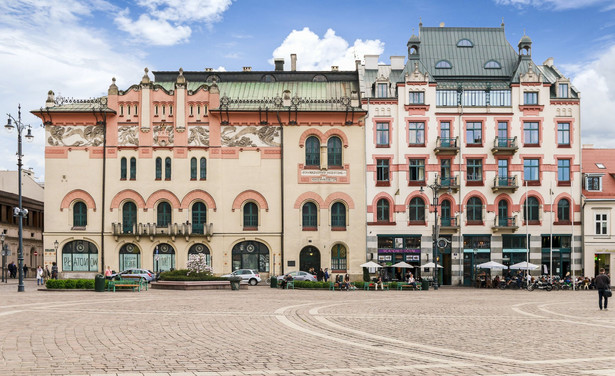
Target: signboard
[(385, 258), (398, 250), (413, 257)]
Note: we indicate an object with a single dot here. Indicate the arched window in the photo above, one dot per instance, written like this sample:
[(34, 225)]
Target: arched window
[(334, 152), (199, 249), (199, 218), (133, 168), (492, 64), (80, 214), (250, 216), (417, 210), (309, 216), (338, 216), (503, 213), (130, 257), (312, 152), (158, 168), (192, 168), (251, 255), (338, 258), (123, 168), (465, 43), (129, 217), (382, 210), (530, 209), (79, 256), (445, 213), (167, 168), (203, 163), (563, 210), (319, 78), (443, 64), (475, 209), (163, 214), (164, 257)]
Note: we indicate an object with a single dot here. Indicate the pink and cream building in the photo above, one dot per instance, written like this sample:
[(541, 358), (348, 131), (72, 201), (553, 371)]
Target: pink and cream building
[(497, 133)]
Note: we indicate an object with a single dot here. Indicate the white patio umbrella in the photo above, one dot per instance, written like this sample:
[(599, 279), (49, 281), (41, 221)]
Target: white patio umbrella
[(431, 265), (402, 264), (491, 265), (370, 264), (524, 265)]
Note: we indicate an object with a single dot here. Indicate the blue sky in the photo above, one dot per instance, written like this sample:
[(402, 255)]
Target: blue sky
[(75, 47)]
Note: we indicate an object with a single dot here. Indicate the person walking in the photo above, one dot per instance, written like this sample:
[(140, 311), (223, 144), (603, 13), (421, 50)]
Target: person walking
[(326, 275), (603, 284), (54, 270), (320, 275), (108, 272), (40, 279), (25, 270)]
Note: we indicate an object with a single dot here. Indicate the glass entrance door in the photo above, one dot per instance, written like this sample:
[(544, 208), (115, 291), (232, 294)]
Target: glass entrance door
[(602, 261)]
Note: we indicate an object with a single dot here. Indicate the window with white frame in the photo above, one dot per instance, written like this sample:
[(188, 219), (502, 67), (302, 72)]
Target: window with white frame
[(601, 224), (417, 97), (593, 183), (562, 91), (446, 98), (382, 90), (530, 97)]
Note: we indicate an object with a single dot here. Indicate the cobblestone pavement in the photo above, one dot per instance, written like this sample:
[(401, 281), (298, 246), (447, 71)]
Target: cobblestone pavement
[(262, 331)]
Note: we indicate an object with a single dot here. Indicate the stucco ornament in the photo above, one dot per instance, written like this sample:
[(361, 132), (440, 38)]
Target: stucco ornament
[(250, 136), (127, 135), (163, 134), (90, 135), (199, 136)]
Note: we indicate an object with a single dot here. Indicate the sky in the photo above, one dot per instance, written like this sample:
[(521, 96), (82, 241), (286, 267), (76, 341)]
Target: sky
[(75, 47)]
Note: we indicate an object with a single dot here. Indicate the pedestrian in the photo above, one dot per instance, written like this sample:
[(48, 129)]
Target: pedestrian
[(326, 276), (54, 270), (11, 269), (25, 270), (39, 276), (47, 272), (603, 284), (320, 275), (108, 272)]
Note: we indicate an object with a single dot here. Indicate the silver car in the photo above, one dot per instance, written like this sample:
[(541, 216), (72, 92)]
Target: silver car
[(249, 275), (299, 276), (148, 275)]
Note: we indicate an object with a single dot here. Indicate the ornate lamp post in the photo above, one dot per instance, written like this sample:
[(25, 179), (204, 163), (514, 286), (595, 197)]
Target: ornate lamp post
[(19, 211), (56, 245)]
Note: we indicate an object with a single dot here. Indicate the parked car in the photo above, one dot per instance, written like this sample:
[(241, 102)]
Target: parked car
[(299, 276), (249, 275), (135, 273)]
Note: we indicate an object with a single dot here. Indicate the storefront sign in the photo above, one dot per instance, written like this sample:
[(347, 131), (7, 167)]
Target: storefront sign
[(398, 250)]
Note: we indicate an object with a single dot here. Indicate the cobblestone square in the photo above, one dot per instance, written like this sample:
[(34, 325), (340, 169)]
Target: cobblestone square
[(262, 331)]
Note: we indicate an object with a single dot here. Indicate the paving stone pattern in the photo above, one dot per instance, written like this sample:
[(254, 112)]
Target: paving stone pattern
[(263, 331)]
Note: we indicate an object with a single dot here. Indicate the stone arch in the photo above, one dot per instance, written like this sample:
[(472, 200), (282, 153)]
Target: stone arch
[(198, 194), (472, 194), (250, 195), (339, 133), (417, 194), (78, 194), (127, 194), (308, 133), (559, 197), (162, 194), (309, 196), (451, 199), (374, 206), (339, 196), (532, 193)]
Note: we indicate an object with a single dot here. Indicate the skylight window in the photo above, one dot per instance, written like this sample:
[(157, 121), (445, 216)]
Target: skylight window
[(465, 43), (443, 64), (600, 165), (492, 64)]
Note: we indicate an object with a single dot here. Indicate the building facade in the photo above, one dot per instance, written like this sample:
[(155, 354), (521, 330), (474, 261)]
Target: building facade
[(598, 209), (258, 170), (496, 136)]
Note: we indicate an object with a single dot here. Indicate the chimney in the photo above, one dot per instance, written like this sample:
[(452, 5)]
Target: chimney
[(293, 62), (548, 62), (357, 64), (279, 64), (371, 61), (247, 69), (209, 69), (397, 62), (335, 68)]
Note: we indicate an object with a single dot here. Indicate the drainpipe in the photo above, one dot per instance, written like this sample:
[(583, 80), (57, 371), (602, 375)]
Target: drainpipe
[(103, 122), (460, 202), (281, 193)]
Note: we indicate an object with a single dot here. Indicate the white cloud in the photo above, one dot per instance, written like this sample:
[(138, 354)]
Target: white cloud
[(45, 45), (167, 21), (315, 53), (557, 4), (596, 81)]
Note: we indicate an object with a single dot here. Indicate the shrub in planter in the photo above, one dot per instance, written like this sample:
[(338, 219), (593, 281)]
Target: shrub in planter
[(69, 284), (187, 275)]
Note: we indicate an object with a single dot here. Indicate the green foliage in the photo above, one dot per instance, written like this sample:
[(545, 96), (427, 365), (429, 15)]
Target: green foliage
[(70, 284), (182, 275), (311, 285)]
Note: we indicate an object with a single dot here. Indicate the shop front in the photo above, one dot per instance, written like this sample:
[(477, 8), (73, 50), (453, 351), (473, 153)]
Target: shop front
[(476, 250), (514, 250), (556, 251), (395, 248)]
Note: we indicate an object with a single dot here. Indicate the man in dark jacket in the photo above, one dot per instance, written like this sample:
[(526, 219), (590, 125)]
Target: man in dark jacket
[(603, 284)]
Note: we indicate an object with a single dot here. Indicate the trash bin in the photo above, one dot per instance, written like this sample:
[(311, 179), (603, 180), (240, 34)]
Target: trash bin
[(274, 282), (424, 285), (99, 283)]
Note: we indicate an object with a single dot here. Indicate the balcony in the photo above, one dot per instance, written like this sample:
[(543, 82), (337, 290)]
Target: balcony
[(450, 182), (171, 230), (505, 224), (446, 146), (448, 225), (505, 146), (505, 184)]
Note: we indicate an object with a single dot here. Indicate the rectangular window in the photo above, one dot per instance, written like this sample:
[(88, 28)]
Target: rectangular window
[(562, 91), (563, 133), (476, 241), (499, 98), (563, 170), (446, 98), (382, 90), (382, 170), (164, 110), (530, 97), (530, 133), (417, 97), (593, 183), (445, 133), (530, 169), (474, 98), (417, 133), (128, 108), (198, 110), (136, 113), (382, 134), (601, 224), (121, 110), (475, 170), (474, 133), (191, 110), (514, 242), (171, 110), (417, 170), (156, 110)]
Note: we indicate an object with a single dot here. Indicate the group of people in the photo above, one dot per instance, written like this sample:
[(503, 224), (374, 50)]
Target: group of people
[(41, 274), (321, 275)]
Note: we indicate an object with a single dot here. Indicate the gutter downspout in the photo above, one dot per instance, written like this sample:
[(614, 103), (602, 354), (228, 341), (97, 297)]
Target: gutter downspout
[(104, 174), (281, 193), (460, 202)]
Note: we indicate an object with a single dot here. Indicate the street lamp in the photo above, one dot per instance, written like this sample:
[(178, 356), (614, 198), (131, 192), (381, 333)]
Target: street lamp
[(437, 185), (56, 245), (19, 211)]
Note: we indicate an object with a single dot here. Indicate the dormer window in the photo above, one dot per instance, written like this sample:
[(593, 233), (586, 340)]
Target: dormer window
[(443, 64), (382, 90), (268, 78), (492, 64), (593, 183), (465, 43), (319, 78), (562, 91)]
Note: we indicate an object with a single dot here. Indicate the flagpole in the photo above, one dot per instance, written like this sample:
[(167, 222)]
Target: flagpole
[(572, 232), (551, 236), (527, 238)]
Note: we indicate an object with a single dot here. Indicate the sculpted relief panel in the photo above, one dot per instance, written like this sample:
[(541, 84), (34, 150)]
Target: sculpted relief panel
[(198, 136), (250, 136), (127, 135), (69, 135)]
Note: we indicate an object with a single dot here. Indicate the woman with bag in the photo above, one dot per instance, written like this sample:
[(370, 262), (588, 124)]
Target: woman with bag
[(603, 284), (39, 276)]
